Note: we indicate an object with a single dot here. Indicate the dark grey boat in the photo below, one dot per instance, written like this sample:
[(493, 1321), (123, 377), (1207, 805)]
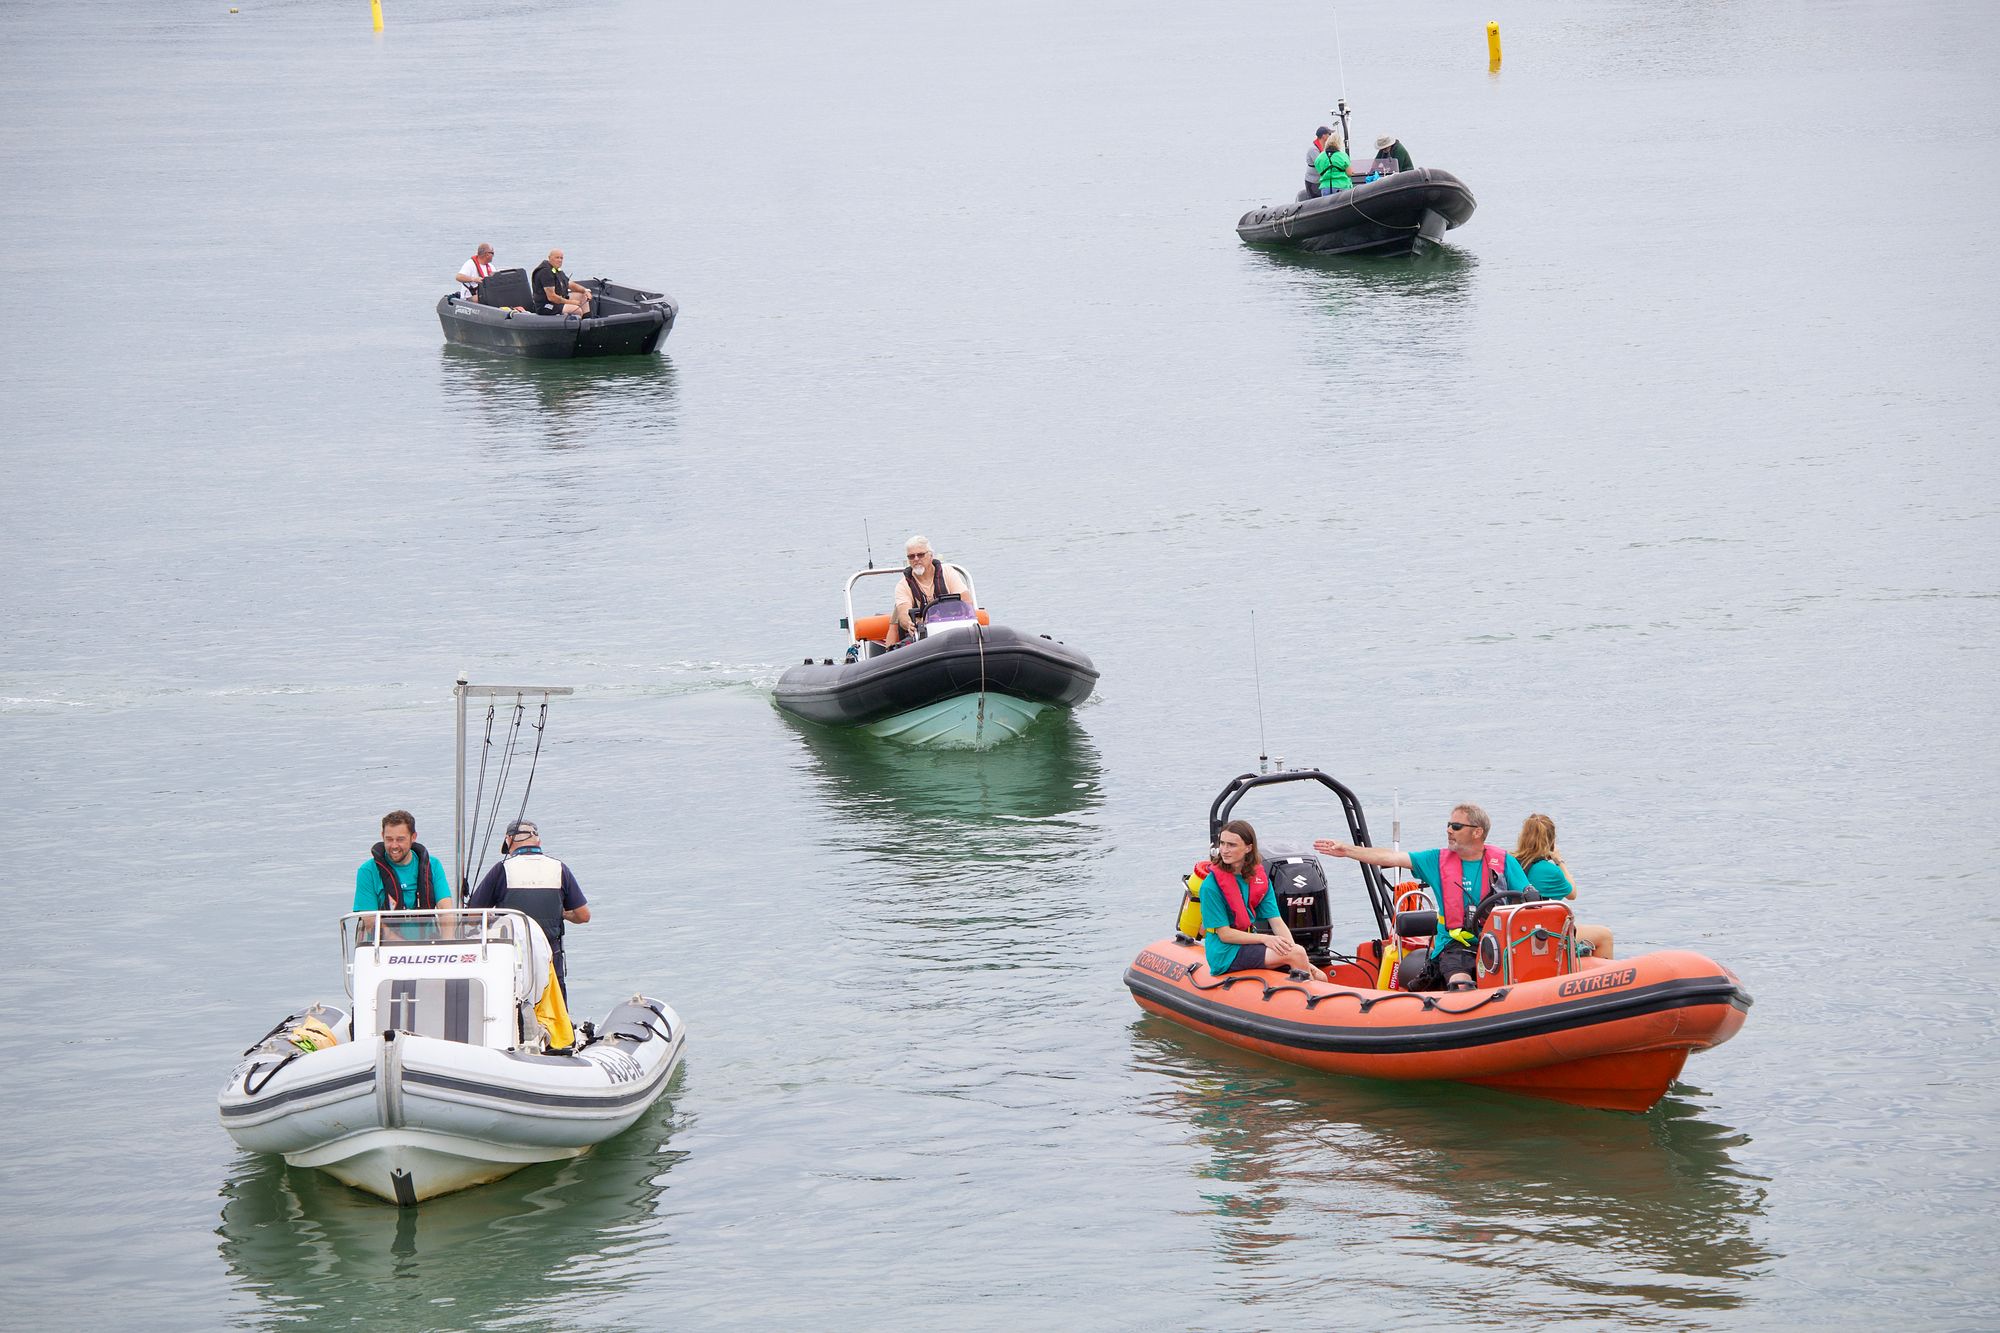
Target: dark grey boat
[(1404, 212), (625, 321), (962, 684)]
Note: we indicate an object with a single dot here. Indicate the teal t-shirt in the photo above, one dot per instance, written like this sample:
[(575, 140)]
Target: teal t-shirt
[(1426, 866), (1215, 915), (368, 885), (1550, 880)]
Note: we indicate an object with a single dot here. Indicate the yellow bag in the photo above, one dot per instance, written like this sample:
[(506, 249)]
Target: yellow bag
[(312, 1035), (554, 1014), (1190, 919)]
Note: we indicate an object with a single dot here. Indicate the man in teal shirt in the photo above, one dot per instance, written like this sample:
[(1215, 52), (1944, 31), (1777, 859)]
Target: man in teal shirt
[(1479, 869), (418, 878)]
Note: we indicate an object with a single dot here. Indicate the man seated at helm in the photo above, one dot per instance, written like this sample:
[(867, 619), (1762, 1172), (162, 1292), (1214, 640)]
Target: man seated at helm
[(926, 581), (1460, 875), (554, 293), (530, 881)]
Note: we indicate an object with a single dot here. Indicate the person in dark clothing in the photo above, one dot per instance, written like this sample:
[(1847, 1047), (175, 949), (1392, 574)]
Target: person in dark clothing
[(1388, 145), (553, 293), (1312, 156), (530, 881)]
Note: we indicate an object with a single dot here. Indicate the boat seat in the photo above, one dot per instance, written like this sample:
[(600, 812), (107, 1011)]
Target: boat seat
[(507, 287), (876, 628), (450, 1009)]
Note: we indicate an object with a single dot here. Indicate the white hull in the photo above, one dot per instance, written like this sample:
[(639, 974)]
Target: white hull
[(409, 1117)]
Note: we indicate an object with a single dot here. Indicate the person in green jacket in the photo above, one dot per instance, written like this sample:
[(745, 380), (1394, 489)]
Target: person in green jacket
[(1332, 164), (1536, 850), (1388, 145)]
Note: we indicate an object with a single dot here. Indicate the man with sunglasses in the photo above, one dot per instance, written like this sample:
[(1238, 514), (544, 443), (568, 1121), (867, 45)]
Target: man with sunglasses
[(926, 581), (1459, 875)]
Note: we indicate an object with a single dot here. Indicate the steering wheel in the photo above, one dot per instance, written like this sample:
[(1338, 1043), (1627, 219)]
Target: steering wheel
[(1505, 898)]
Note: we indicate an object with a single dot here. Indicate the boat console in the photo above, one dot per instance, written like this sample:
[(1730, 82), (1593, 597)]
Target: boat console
[(454, 974)]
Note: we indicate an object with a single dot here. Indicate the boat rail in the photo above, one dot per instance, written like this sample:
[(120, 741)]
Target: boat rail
[(484, 927), (847, 621)]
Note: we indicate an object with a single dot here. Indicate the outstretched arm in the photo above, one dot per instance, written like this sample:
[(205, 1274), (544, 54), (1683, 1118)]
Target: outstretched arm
[(1374, 856)]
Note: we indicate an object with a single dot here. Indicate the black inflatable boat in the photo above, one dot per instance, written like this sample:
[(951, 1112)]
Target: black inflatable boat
[(964, 684), (624, 321), (1404, 212)]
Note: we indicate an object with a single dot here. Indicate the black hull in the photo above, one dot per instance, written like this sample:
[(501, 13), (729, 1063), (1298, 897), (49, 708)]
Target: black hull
[(1026, 666), (634, 324), (1399, 214)]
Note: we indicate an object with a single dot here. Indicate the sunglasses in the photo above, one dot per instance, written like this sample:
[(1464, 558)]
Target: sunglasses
[(918, 555), (1457, 827)]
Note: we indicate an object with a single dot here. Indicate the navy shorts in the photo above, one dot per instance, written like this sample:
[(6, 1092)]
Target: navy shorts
[(1248, 957)]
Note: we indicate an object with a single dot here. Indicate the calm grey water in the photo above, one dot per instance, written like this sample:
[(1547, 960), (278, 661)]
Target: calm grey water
[(1663, 503)]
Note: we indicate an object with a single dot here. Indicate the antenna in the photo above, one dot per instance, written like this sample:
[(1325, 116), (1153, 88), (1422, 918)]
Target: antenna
[(1257, 674), (868, 542), (1340, 59)]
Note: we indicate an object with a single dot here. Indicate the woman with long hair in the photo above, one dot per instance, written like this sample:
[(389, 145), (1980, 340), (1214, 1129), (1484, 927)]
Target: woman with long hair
[(1536, 851), (1236, 896)]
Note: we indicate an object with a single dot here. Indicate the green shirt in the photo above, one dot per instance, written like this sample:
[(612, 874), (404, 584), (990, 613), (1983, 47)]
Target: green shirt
[(1426, 864), (1550, 880), (1333, 171)]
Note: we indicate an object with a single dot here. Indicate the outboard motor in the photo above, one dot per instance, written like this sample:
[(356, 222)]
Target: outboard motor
[(1299, 880)]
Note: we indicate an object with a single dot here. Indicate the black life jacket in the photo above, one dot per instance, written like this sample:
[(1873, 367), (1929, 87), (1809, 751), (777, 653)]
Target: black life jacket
[(919, 601), (533, 884), (392, 888)]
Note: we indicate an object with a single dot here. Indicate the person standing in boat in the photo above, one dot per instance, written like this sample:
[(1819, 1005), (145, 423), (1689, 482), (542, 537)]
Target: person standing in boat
[(1459, 875), (553, 290), (530, 881), (476, 270), (1235, 896), (1388, 145), (1536, 850), (400, 875), (1312, 162), (1331, 164), (926, 581)]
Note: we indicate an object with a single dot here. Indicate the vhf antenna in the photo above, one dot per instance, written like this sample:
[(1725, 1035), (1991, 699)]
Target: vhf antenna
[(1257, 675), (868, 542)]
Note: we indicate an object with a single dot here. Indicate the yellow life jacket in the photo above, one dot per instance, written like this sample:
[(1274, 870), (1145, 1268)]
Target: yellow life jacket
[(1190, 918)]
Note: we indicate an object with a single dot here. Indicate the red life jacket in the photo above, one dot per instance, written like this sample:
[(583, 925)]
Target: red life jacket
[(1451, 893), (1232, 893), (483, 270)]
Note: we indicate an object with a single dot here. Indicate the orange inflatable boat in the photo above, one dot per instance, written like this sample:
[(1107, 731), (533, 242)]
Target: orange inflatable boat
[(1542, 1021)]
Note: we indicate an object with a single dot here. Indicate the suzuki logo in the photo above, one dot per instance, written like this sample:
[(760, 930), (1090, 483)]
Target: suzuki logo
[(1298, 881)]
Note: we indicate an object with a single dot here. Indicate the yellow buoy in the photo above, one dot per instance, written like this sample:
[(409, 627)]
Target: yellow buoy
[(1492, 44), (375, 8)]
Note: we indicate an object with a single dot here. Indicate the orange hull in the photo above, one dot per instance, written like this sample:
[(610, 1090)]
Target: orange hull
[(1610, 1035)]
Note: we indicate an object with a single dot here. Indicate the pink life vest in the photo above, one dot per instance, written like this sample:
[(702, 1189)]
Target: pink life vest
[(1451, 870), (1232, 893)]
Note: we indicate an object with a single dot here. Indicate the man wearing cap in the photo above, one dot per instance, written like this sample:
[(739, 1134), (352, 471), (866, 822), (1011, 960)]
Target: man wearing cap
[(1312, 160), (531, 881)]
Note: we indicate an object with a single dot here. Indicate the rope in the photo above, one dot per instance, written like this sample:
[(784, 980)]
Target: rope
[(1429, 1000), (478, 794), (541, 725), (500, 782), (979, 724)]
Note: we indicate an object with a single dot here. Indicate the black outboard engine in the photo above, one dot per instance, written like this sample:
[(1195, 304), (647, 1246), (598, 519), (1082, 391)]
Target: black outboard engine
[(1299, 880)]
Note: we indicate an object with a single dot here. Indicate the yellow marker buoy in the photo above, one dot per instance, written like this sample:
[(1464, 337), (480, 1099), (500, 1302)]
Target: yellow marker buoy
[(1492, 43), (375, 9)]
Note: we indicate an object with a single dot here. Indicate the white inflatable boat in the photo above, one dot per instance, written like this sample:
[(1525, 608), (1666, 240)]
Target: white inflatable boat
[(443, 1076)]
